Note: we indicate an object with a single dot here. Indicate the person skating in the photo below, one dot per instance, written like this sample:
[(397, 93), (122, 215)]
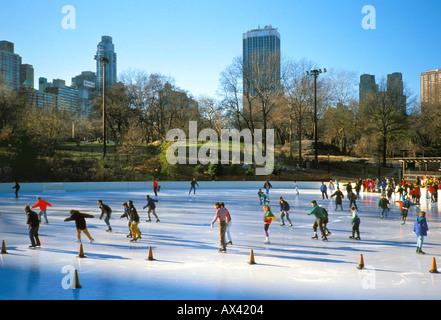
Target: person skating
[(42, 204), (319, 220), (152, 208), (126, 214), (33, 225), (323, 190), (338, 198), (260, 195), (134, 222), (106, 211), (420, 228), (267, 186), (268, 217), (352, 197), (404, 208), (193, 185), (17, 188), (355, 221), (284, 211), (229, 224), (155, 186), (221, 215), (80, 223), (383, 204)]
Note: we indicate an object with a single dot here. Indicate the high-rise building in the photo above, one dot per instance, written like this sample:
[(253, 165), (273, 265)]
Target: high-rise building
[(261, 57), (106, 50), (10, 63), (431, 87), (367, 85), (27, 75), (85, 84)]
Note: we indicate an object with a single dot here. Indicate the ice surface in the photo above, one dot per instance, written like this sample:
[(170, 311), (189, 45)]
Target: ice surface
[(188, 265)]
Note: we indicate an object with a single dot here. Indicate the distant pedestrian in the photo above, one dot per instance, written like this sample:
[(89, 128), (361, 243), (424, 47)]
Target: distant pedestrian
[(42, 204), (80, 223), (296, 187), (420, 228), (106, 211), (152, 208), (33, 226), (193, 185), (155, 186), (267, 186), (355, 221)]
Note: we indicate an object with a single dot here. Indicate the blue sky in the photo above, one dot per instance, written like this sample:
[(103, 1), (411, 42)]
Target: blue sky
[(194, 40)]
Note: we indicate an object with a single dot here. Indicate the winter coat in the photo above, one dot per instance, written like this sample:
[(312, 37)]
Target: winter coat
[(420, 227), (105, 209), (284, 206), (318, 212), (79, 218), (339, 195), (150, 204), (33, 220), (42, 204)]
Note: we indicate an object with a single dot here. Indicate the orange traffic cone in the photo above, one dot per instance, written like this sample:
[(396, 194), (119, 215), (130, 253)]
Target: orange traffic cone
[(4, 247), (81, 252), (433, 269), (252, 258), (361, 263), (150, 256), (76, 281)]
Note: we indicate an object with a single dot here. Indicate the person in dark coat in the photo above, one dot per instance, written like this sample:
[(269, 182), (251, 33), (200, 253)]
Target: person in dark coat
[(338, 198), (33, 226), (134, 222), (152, 208), (107, 211), (193, 184), (80, 223), (17, 188)]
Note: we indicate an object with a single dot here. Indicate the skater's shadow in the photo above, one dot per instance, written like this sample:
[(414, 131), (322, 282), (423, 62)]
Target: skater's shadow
[(87, 254)]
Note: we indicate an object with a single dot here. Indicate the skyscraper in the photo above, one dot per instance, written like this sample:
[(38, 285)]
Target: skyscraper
[(106, 49), (10, 63), (367, 85), (261, 57), (431, 87)]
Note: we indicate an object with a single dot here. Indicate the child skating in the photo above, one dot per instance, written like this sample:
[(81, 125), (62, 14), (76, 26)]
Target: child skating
[(284, 211), (420, 228), (355, 221), (267, 219)]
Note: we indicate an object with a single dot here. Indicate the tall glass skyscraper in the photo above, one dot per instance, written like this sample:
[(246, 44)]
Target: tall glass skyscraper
[(10, 63), (106, 49), (261, 56)]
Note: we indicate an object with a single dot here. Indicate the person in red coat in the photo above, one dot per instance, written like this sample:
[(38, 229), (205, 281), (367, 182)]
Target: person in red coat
[(155, 187), (42, 204)]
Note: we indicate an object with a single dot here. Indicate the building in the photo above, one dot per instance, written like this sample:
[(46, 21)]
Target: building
[(85, 84), (430, 87), (27, 75), (367, 85), (68, 98), (261, 58), (10, 63), (106, 50)]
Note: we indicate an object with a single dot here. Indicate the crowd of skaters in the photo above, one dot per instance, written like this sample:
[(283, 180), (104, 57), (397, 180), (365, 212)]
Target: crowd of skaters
[(408, 194)]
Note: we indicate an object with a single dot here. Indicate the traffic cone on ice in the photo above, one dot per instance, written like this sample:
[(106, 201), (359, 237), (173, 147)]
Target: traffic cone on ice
[(81, 252), (433, 269), (361, 263), (252, 258), (76, 281), (4, 247), (150, 256)]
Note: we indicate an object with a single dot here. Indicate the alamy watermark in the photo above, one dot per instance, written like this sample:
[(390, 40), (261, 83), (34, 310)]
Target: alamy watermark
[(69, 21), (252, 147), (369, 21)]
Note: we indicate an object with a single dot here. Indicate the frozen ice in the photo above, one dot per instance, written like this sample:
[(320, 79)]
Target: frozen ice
[(188, 265)]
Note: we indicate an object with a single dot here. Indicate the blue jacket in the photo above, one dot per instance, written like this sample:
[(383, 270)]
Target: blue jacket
[(420, 227), (323, 188), (284, 206), (150, 204)]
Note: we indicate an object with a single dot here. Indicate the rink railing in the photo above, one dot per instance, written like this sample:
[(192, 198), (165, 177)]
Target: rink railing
[(147, 185)]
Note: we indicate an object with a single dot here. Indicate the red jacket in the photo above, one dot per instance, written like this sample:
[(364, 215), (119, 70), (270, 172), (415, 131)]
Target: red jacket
[(42, 204), (155, 183)]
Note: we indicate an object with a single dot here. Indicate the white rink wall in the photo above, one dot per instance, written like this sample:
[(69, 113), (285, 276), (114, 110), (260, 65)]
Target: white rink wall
[(147, 185)]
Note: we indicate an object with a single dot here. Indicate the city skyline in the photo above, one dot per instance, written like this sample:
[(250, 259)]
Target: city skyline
[(194, 41)]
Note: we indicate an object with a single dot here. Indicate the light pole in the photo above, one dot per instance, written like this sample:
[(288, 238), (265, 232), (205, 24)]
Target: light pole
[(104, 61), (315, 73)]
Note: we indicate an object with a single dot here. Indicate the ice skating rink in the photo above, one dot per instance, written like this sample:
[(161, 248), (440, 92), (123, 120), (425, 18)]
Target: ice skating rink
[(188, 265)]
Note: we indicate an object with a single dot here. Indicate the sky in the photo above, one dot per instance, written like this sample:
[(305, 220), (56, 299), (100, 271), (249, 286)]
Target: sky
[(193, 41)]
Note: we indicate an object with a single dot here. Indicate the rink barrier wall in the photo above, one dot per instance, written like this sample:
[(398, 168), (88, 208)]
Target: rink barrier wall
[(147, 185)]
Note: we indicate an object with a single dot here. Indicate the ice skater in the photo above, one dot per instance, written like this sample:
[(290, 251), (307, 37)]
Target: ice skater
[(355, 221), (33, 226), (319, 220), (126, 214), (267, 186), (106, 211), (338, 198), (296, 187), (267, 219), (134, 222), (227, 231), (42, 204), (352, 197), (383, 204), (80, 223), (193, 185), (155, 186), (221, 215), (420, 228), (152, 208), (284, 211), (260, 194), (404, 208), (324, 191), (17, 188)]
